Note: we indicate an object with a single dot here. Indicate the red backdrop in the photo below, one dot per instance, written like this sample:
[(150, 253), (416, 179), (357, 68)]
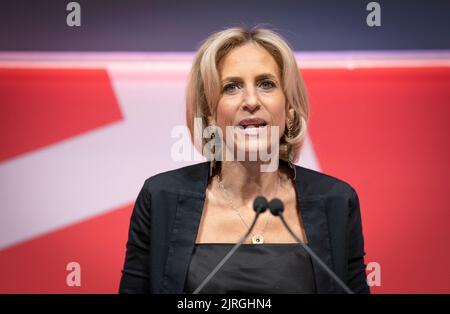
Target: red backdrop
[(383, 130)]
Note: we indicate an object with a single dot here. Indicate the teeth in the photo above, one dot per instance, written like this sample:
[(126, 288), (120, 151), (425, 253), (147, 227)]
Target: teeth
[(251, 126), (251, 129)]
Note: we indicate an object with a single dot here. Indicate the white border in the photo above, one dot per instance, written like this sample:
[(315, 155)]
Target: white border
[(180, 62)]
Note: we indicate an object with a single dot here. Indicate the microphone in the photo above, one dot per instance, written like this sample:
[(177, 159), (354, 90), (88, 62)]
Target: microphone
[(260, 205), (276, 207)]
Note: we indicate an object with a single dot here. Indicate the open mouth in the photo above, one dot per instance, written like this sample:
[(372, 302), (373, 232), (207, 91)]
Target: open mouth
[(252, 123), (252, 126)]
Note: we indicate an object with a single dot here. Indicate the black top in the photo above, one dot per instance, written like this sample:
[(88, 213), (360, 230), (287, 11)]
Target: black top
[(166, 220), (254, 268)]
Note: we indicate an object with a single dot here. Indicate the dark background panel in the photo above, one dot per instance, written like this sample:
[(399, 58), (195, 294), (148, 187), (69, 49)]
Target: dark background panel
[(119, 25)]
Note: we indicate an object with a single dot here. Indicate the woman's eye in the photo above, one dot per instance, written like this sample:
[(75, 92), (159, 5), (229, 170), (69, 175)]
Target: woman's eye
[(267, 84), (230, 88)]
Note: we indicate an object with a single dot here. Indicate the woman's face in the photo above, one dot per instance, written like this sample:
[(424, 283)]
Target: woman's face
[(250, 89)]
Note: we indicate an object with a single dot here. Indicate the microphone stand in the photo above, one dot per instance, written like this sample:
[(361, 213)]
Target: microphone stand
[(277, 210)]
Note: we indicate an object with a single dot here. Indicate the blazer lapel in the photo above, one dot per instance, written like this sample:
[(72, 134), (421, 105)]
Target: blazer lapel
[(188, 215), (314, 216), (187, 220)]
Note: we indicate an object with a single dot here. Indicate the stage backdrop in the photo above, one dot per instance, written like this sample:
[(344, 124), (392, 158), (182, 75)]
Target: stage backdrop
[(80, 133)]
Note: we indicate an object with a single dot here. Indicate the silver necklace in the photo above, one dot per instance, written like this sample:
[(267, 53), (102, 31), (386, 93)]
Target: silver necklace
[(256, 238)]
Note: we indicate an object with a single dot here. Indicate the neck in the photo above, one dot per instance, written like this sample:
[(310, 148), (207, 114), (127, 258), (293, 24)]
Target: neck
[(244, 181)]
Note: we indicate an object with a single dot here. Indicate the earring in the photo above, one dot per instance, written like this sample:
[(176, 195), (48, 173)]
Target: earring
[(289, 129), (291, 152)]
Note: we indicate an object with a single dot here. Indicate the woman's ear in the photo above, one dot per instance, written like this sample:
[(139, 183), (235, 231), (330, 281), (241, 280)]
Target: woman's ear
[(211, 120)]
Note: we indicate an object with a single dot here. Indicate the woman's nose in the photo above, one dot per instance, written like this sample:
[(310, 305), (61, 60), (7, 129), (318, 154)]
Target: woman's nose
[(251, 103)]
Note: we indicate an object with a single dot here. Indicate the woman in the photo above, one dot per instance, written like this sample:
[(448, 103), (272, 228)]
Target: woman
[(246, 83)]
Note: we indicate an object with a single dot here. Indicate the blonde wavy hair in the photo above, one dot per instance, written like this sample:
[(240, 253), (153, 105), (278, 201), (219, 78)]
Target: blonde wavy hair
[(204, 89)]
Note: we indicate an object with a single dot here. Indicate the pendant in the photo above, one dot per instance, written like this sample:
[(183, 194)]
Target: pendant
[(257, 239)]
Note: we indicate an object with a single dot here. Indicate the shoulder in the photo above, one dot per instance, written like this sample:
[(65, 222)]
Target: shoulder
[(315, 183), (190, 178), (339, 198), (318, 182)]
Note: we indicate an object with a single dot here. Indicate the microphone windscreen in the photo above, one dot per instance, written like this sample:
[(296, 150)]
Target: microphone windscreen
[(260, 204), (276, 206)]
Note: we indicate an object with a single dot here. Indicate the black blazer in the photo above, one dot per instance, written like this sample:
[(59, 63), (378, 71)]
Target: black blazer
[(166, 217)]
